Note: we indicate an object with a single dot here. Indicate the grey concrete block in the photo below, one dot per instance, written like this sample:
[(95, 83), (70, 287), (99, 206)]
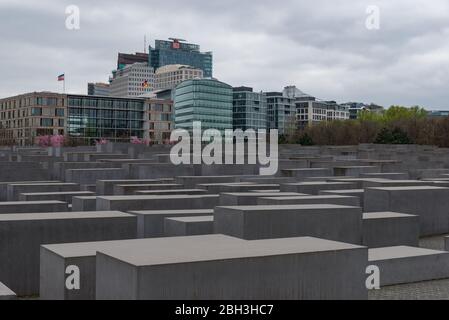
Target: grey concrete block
[(129, 189), (171, 192), (314, 187), (193, 181), (184, 268), (387, 175), (188, 226), (385, 229), (355, 170), (4, 187), (106, 187), (250, 198), (88, 203), (302, 173), (359, 193), (15, 189), (150, 223), (215, 188), (170, 202), (332, 222), (61, 196), (90, 176), (32, 206), (429, 203), (404, 264), (55, 258), (307, 199), (21, 273)]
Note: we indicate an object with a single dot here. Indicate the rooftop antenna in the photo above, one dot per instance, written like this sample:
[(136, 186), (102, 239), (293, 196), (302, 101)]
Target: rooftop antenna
[(145, 43)]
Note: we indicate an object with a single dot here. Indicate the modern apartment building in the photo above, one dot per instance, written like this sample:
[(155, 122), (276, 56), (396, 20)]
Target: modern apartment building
[(312, 111), (83, 118), (177, 51), (169, 76), (99, 89), (26, 116), (249, 109), (206, 100), (132, 80)]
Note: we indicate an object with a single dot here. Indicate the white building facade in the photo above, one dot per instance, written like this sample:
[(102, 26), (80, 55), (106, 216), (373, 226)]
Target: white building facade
[(133, 80), (169, 76)]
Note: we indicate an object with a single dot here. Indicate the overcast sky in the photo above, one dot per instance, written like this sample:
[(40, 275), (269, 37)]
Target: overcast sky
[(322, 46)]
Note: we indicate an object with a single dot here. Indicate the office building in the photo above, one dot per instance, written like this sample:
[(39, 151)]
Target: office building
[(281, 112), (249, 109), (83, 118), (177, 51), (355, 108), (169, 76), (125, 59), (91, 118), (132, 80), (206, 100), (99, 89)]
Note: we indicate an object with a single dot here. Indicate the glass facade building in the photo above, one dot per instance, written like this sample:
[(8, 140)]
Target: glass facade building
[(281, 112), (116, 119), (206, 100), (249, 109), (176, 52)]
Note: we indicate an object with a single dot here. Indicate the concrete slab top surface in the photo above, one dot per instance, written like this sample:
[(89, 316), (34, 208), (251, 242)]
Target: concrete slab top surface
[(86, 197), (152, 197), (386, 215), (135, 180), (353, 167), (44, 184), (409, 188), (345, 191), (317, 183), (62, 215), (173, 212), (330, 196), (172, 250), (398, 252), (56, 193), (262, 194), (193, 219), (149, 185), (287, 207), (11, 203)]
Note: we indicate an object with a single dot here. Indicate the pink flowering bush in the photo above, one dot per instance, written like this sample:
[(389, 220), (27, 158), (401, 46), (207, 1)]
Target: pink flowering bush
[(102, 141), (43, 141), (136, 140), (170, 142), (57, 140)]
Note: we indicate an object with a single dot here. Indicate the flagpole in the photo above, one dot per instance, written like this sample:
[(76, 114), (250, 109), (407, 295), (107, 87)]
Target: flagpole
[(63, 84)]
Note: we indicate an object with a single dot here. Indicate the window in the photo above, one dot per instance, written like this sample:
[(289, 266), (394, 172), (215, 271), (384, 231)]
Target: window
[(36, 111), (59, 112), (46, 122)]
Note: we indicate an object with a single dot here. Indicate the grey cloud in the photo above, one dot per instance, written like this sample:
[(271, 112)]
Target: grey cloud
[(321, 46)]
